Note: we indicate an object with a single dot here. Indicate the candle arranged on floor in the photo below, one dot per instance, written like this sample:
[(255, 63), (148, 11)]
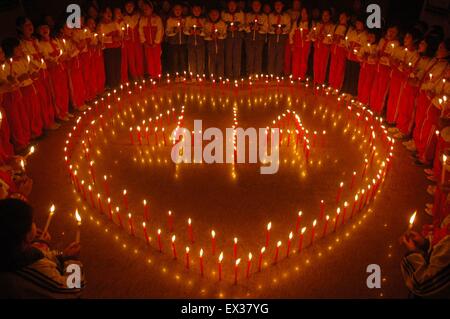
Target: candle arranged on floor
[(220, 266), (201, 262)]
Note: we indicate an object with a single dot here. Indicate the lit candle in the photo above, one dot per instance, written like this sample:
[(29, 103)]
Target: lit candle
[(235, 240), (353, 180), (187, 257), (269, 227), (118, 217), (444, 164), (322, 209), (99, 202), (130, 223), (78, 218), (159, 241), (220, 266), (170, 221), (299, 219), (125, 200), (236, 268), (213, 242), (339, 194), (289, 244), (261, 254), (31, 151), (144, 228), (325, 227), (131, 136), (412, 219), (105, 185), (338, 212), (174, 251), (91, 197), (249, 264), (201, 262), (313, 231), (277, 251), (344, 213), (146, 217), (190, 232), (49, 219), (300, 243)]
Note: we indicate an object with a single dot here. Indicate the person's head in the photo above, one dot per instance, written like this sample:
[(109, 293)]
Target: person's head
[(140, 4), (91, 24), (296, 5), (129, 7), (443, 49), (371, 38), (242, 5), (326, 16), (118, 14), (24, 27), (408, 40), (177, 11), (232, 6), (12, 49), (196, 10), (256, 6), (315, 13), (66, 32), (267, 8), (43, 31), (424, 48), (304, 14), (18, 229), (92, 12), (147, 9), (343, 18), (214, 14), (392, 33), (107, 15), (48, 19), (359, 24), (278, 6)]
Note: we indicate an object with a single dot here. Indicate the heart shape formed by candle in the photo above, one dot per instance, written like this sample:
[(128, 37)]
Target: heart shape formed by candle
[(333, 156)]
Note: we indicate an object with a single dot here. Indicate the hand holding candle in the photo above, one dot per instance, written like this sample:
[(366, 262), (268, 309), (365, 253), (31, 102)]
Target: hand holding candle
[(49, 219), (78, 218)]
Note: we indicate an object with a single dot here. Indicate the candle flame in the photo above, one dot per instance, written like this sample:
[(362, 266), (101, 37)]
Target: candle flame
[(78, 217), (187, 250), (338, 211), (52, 209), (144, 224), (269, 226), (263, 250), (291, 235), (189, 221), (201, 253), (315, 223), (220, 257), (173, 238), (303, 230), (238, 261), (250, 256), (279, 244), (412, 219), (213, 234), (300, 213), (159, 231)]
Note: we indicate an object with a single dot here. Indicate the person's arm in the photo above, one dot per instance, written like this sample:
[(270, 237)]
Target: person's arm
[(159, 31), (141, 30), (428, 275)]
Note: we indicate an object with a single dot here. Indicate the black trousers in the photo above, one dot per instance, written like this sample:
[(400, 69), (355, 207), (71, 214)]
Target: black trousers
[(351, 78), (178, 57), (113, 67), (254, 46), (276, 51)]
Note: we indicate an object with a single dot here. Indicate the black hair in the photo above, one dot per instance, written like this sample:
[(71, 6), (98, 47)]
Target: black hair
[(20, 21), (9, 45), (16, 219)]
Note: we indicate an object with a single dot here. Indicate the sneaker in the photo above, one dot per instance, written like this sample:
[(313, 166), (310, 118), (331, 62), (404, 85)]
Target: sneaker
[(428, 171), (429, 212)]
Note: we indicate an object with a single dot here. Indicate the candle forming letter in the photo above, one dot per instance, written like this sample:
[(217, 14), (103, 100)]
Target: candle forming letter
[(272, 160)]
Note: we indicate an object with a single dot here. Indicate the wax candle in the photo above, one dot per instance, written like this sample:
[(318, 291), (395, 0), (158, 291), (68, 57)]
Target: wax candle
[(146, 217), (49, 219), (354, 206), (236, 268), (144, 228), (159, 241), (277, 251), (338, 212), (299, 219), (201, 262), (249, 264), (125, 199), (313, 231), (353, 180), (213, 242), (170, 221), (130, 224), (412, 219), (325, 226), (99, 203), (187, 257), (269, 227), (300, 243), (78, 218), (190, 232), (109, 208), (344, 213), (235, 240), (174, 250), (339, 193), (444, 164), (322, 209), (91, 196), (118, 217), (220, 266), (261, 254), (289, 244)]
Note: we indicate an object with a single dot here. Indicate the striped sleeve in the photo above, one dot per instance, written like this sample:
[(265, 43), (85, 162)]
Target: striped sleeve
[(428, 277)]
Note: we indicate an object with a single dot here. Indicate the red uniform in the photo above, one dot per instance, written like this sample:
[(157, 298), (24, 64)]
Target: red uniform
[(151, 32), (322, 37), (133, 47), (338, 57), (301, 45)]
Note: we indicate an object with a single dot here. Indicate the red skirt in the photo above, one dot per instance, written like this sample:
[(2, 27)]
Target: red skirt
[(380, 88), (366, 77), (19, 123), (153, 60), (321, 57), (88, 76), (76, 83), (6, 148), (426, 138), (406, 108), (99, 67), (398, 83), (33, 110), (134, 58), (337, 67), (300, 56), (60, 84)]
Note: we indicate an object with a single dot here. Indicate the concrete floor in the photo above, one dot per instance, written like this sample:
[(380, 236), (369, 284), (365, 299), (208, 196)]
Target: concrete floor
[(118, 266)]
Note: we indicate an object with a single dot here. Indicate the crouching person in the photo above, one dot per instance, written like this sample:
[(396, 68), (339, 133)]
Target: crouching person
[(29, 268)]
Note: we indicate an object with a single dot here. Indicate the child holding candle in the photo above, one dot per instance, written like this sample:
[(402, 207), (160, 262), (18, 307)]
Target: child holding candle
[(151, 32), (256, 26), (368, 68), (386, 50), (132, 42), (215, 35), (97, 60), (14, 112), (54, 56), (111, 37), (177, 41), (234, 20), (356, 42), (321, 35), (294, 13), (194, 30), (339, 52), (300, 45), (30, 269), (279, 28), (118, 19)]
